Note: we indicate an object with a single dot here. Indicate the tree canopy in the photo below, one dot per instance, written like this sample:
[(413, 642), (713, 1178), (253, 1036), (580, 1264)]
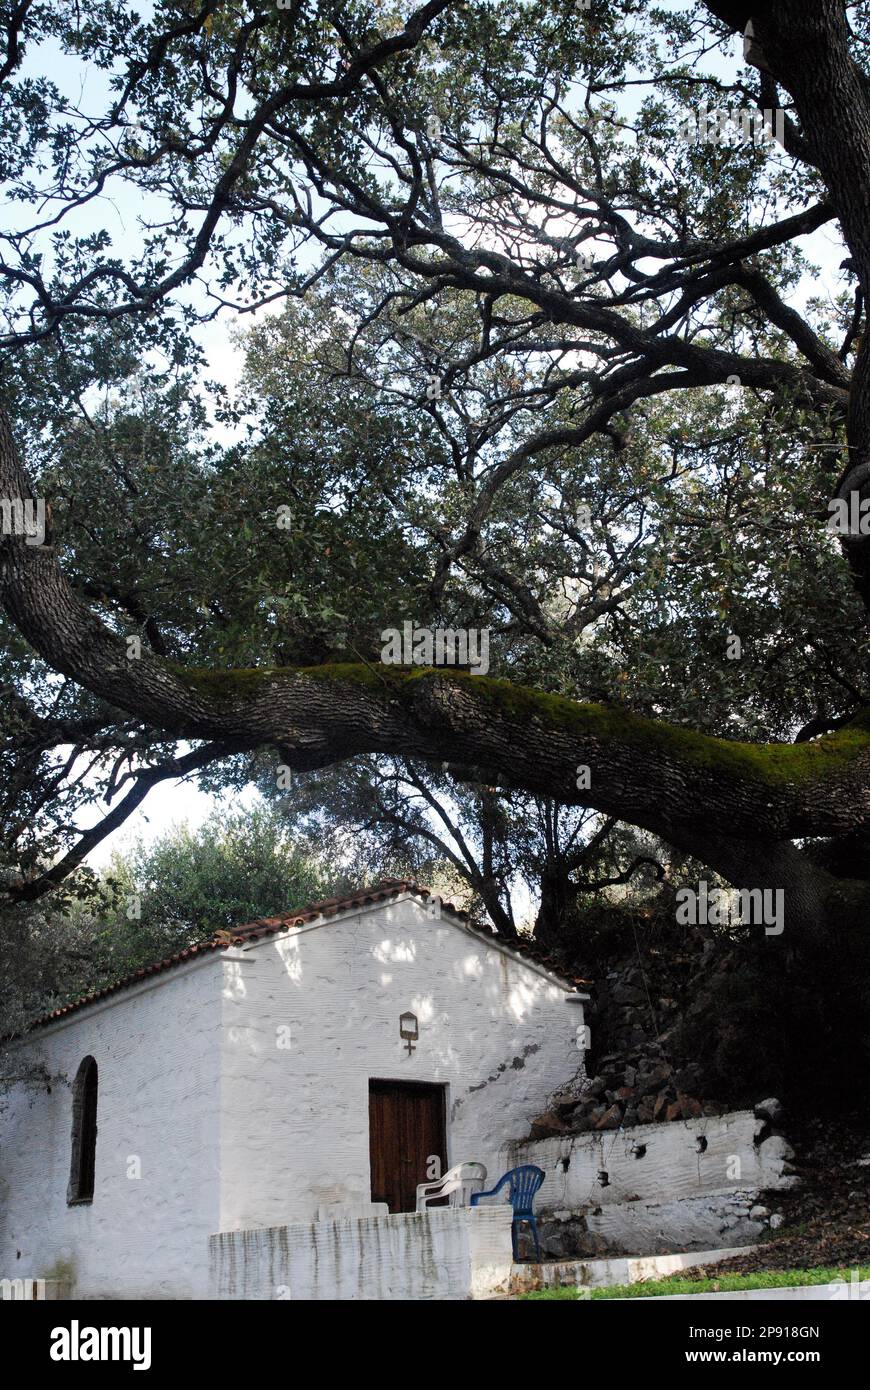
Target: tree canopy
[(148, 903), (524, 358)]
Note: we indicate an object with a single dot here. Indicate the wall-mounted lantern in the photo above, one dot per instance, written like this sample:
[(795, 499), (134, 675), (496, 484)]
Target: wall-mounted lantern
[(409, 1030)]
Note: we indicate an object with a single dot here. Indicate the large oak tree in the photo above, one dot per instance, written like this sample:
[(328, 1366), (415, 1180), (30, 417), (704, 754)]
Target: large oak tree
[(530, 273)]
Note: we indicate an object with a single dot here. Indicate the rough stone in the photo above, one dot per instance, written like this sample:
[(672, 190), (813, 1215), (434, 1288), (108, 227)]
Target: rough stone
[(627, 994), (654, 1078), (660, 1103), (776, 1148), (546, 1125), (771, 1110), (688, 1079), (691, 1108), (611, 1119)]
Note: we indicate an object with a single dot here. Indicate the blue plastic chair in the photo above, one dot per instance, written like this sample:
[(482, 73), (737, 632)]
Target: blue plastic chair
[(523, 1184)]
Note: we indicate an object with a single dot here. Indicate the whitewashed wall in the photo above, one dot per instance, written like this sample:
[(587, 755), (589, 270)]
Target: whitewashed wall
[(294, 1120), (689, 1184), (233, 1130), (675, 1164), (157, 1049), (444, 1254)]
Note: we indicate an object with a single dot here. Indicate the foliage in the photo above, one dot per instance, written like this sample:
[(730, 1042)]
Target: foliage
[(496, 306), (152, 901), (189, 884)]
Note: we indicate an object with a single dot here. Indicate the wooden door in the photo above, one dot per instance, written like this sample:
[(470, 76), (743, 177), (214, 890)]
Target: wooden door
[(406, 1130)]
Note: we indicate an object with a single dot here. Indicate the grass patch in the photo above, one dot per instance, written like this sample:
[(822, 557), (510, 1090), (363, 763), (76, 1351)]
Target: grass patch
[(723, 1283)]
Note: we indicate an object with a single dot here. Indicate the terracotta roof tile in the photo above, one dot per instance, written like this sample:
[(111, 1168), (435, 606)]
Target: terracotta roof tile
[(311, 912)]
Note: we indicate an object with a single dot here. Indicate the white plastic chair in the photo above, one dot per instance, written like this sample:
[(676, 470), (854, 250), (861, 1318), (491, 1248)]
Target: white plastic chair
[(457, 1184)]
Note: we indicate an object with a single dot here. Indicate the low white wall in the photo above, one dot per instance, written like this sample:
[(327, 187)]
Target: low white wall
[(683, 1185), (443, 1254), (674, 1163), (688, 1223)]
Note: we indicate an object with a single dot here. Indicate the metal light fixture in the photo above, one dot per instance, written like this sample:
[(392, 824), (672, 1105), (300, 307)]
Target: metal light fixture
[(409, 1030)]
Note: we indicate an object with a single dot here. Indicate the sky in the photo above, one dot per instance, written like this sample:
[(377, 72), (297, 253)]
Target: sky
[(167, 805), (170, 803)]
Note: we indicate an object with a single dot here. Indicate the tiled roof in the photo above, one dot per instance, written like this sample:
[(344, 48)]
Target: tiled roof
[(312, 912)]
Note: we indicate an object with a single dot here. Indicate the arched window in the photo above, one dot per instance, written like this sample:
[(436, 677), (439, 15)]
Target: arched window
[(84, 1134)]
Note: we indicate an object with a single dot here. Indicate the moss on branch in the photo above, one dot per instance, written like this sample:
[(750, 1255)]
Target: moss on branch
[(775, 764)]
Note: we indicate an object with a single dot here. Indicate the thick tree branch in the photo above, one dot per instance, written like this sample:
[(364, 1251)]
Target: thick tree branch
[(666, 779), (35, 888)]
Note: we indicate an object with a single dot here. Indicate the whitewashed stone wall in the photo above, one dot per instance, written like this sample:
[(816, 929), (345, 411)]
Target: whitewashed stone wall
[(689, 1223), (498, 1033), (684, 1185), (443, 1254), (676, 1163), (157, 1049)]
